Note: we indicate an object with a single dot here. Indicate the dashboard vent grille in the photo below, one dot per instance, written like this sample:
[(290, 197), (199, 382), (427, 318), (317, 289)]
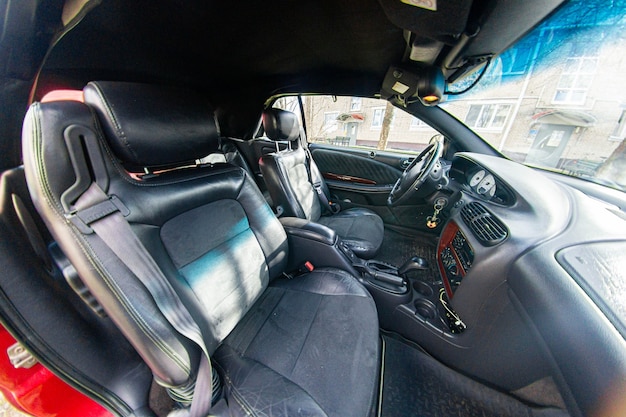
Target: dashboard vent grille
[(485, 226)]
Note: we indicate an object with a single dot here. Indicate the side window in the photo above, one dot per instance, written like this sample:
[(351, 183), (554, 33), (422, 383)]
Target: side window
[(363, 123)]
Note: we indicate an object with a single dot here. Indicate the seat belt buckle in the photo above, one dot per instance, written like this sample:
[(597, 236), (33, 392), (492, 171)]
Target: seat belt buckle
[(303, 269)]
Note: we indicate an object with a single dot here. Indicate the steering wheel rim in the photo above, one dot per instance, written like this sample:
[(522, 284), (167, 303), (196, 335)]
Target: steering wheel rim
[(417, 172)]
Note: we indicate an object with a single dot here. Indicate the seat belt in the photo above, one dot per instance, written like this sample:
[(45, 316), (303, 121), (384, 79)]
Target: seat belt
[(326, 203), (332, 208), (103, 215)]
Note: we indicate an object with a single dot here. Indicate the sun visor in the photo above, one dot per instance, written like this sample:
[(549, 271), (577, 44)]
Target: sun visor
[(442, 20)]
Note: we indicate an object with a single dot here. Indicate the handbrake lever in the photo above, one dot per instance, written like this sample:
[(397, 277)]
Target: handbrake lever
[(381, 276)]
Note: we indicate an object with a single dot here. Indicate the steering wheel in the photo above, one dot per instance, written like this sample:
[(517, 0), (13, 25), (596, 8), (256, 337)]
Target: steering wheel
[(417, 172)]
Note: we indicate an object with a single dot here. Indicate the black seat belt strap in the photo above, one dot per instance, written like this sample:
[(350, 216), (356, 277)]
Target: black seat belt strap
[(95, 209), (317, 184)]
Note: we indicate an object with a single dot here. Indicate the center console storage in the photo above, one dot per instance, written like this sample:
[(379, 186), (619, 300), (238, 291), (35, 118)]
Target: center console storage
[(316, 244)]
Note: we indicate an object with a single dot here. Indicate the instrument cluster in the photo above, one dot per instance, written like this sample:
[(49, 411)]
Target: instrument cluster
[(488, 187)]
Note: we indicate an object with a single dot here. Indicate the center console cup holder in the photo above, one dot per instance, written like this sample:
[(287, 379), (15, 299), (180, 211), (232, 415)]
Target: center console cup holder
[(423, 288), (426, 309)]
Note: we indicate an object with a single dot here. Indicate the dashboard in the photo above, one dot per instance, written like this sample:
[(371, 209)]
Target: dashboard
[(536, 270)]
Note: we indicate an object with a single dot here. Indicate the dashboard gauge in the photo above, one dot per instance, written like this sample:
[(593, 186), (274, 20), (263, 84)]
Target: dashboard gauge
[(477, 178), (487, 186)]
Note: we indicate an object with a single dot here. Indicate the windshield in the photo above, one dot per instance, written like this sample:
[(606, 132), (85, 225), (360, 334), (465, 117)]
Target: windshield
[(557, 99)]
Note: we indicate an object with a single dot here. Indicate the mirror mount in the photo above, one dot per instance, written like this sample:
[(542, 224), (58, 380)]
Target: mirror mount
[(414, 82)]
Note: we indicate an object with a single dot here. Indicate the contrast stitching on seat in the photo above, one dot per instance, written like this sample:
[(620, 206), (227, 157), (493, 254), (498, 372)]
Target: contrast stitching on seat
[(90, 254), (135, 314), (236, 395)]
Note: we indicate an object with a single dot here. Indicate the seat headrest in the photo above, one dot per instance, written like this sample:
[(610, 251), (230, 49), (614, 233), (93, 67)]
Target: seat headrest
[(153, 126), (280, 125)]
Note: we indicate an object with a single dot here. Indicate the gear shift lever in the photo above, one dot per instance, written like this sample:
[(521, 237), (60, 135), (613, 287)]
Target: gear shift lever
[(414, 263)]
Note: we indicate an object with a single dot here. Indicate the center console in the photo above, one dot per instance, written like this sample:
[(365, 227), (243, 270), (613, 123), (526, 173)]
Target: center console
[(409, 288), (455, 257)]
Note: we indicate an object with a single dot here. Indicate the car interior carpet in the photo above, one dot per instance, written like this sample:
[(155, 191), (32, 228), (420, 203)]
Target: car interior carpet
[(415, 384), (398, 247)]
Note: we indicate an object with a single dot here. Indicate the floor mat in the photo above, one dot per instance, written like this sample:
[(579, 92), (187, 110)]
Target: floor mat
[(414, 384), (397, 248)]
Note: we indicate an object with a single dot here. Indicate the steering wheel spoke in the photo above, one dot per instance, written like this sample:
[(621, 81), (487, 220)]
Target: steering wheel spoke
[(416, 172)]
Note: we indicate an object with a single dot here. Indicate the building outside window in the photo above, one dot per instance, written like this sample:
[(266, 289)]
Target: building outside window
[(355, 104), (515, 60), (330, 121), (575, 80), (417, 123), (377, 118), (487, 116)]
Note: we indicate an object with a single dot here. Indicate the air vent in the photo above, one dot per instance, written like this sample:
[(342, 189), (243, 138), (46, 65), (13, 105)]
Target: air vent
[(485, 226)]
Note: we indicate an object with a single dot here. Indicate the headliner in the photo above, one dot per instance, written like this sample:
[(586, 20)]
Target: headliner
[(238, 52), (231, 47)]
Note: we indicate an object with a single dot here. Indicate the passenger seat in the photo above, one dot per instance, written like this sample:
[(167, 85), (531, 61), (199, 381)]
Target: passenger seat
[(289, 178), (282, 347)]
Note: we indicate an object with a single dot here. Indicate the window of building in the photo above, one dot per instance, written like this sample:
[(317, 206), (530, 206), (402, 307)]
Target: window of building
[(330, 121), (355, 104), (377, 118), (515, 60), (487, 116), (417, 123), (575, 80)]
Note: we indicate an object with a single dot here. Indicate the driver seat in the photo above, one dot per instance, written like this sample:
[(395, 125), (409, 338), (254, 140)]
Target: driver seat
[(287, 176)]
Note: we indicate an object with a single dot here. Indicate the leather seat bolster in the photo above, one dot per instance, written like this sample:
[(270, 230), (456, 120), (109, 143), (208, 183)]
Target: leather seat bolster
[(171, 358), (326, 281)]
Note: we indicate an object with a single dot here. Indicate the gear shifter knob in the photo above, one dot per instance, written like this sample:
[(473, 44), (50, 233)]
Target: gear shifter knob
[(414, 263)]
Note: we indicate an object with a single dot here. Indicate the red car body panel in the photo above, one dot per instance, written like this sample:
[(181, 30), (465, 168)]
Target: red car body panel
[(40, 393)]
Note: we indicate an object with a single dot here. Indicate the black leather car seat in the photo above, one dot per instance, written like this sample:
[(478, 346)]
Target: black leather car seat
[(283, 347), (288, 175)]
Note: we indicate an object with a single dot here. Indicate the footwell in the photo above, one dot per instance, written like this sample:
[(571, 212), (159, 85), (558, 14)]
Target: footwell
[(415, 384)]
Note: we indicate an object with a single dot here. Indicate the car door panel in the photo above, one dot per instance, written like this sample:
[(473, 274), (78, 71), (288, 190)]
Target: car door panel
[(52, 320), (370, 167), (376, 172)]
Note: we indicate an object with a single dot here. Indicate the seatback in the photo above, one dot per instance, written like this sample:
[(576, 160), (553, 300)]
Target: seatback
[(208, 228), (286, 173)]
